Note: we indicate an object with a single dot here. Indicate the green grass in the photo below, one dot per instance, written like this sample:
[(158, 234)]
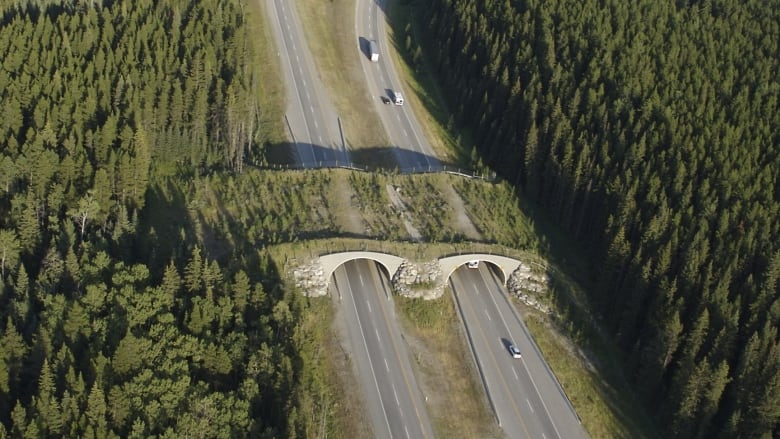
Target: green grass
[(329, 30), (496, 213), (428, 206), (270, 87), (456, 401)]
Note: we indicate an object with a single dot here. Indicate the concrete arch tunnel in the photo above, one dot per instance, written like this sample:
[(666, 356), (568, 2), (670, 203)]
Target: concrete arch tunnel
[(506, 265), (392, 263), (333, 261)]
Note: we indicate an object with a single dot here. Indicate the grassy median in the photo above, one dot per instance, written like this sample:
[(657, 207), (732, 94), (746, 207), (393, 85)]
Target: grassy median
[(329, 28), (455, 399)]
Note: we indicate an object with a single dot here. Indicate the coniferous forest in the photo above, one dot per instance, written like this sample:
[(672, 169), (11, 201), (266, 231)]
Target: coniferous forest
[(650, 130), (103, 331)]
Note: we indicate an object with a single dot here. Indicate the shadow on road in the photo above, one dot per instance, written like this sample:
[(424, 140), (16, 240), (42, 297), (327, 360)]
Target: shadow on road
[(372, 159), (365, 49)]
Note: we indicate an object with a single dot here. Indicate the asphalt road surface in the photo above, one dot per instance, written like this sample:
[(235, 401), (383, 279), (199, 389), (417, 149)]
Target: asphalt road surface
[(525, 396), (311, 119), (394, 402), (411, 148)]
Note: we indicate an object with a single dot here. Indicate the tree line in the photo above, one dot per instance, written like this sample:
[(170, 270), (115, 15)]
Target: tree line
[(649, 131), (104, 331)]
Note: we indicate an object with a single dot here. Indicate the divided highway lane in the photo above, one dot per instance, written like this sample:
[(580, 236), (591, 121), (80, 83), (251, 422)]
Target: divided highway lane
[(394, 402), (412, 149), (527, 400), (312, 120)]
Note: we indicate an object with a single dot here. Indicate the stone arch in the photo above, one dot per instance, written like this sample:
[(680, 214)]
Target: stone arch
[(506, 265)]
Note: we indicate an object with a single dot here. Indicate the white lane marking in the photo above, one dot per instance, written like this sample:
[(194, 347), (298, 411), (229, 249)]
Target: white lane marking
[(407, 432), (387, 366), (369, 310), (529, 405), (359, 275), (513, 371), (377, 335), (544, 405), (486, 314), (365, 346), (316, 125), (406, 133), (311, 107), (397, 401)]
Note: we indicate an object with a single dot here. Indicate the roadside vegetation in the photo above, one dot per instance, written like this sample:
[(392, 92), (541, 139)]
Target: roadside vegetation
[(329, 395)]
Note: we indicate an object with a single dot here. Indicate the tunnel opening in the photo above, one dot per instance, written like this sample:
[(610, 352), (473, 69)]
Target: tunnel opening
[(477, 264)]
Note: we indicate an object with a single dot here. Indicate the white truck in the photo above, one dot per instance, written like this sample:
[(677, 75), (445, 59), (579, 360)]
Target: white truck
[(373, 51), (397, 98)]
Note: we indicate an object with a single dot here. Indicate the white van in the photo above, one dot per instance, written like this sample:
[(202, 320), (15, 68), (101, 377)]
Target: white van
[(397, 98)]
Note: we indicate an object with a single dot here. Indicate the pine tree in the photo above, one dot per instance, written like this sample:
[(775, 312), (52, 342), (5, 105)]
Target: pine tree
[(171, 283), (96, 408), (241, 291), (662, 339), (46, 404), (193, 277), (9, 250), (18, 420)]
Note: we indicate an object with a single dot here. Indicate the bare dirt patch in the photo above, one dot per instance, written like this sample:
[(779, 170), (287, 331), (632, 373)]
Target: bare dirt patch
[(400, 207), (462, 220), (346, 215)]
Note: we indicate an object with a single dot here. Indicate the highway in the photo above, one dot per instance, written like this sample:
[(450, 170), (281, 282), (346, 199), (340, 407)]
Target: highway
[(525, 396), (411, 148), (394, 401), (311, 119)]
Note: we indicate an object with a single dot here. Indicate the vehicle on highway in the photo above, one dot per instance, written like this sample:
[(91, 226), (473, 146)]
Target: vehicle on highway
[(514, 351), (472, 264), (386, 100), (397, 98), (373, 51)]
